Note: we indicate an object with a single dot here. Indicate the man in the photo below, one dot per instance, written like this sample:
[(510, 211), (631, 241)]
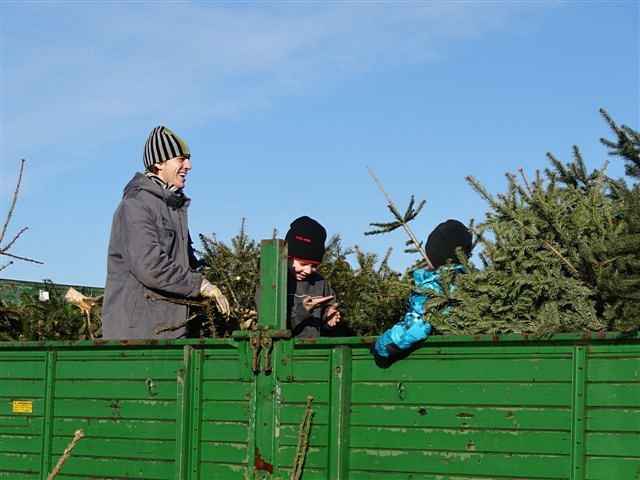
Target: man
[(150, 252)]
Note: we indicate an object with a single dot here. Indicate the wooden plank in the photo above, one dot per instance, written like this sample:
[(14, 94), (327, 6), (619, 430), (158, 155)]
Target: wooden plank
[(136, 389), (518, 394), (226, 390), (223, 452), (224, 431), (607, 468), (456, 463), (135, 448), (613, 395), (222, 471), (117, 369), (298, 392), (16, 388), (614, 444), (20, 443), (626, 369), (116, 408), (613, 419), (317, 457), (291, 414), (151, 429), (222, 369), (225, 411), (119, 468), (21, 369), (478, 369), (20, 462), (462, 440), (319, 436)]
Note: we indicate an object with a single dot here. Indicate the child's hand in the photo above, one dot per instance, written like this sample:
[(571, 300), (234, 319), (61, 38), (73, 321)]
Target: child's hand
[(333, 315), (311, 303)]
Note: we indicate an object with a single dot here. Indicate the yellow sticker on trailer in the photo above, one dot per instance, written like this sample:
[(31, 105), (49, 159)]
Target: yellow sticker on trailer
[(22, 406)]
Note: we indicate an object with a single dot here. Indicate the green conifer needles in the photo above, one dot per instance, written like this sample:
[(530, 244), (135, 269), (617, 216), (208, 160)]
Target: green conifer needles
[(563, 254)]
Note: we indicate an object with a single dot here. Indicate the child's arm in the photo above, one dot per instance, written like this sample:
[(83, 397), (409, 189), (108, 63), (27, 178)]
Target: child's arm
[(413, 328)]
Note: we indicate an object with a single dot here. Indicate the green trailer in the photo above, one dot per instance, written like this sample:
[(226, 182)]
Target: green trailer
[(261, 405)]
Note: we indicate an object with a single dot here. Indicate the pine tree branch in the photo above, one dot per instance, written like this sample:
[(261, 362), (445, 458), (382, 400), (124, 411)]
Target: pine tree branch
[(405, 226)]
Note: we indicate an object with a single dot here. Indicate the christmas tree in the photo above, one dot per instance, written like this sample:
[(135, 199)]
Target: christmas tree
[(561, 252)]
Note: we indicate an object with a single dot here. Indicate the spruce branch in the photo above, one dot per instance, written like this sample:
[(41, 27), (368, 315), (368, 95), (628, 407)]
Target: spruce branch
[(627, 145), (401, 220), (475, 184)]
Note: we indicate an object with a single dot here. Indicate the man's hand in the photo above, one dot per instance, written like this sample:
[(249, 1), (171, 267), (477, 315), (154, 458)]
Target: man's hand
[(209, 290), (311, 303), (332, 314)]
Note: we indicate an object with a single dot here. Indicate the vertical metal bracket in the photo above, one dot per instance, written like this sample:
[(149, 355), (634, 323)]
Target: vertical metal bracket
[(47, 420), (340, 413), (578, 412), (183, 391)]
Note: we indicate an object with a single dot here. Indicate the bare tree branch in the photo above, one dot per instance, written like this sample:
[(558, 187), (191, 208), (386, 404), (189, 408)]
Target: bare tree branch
[(26, 259), (13, 202), (10, 244), (5, 250), (5, 266)]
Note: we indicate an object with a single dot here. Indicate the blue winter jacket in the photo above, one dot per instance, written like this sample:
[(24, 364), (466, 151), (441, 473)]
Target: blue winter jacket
[(413, 327)]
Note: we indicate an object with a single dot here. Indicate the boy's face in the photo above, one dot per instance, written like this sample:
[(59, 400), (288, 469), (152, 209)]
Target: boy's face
[(303, 268)]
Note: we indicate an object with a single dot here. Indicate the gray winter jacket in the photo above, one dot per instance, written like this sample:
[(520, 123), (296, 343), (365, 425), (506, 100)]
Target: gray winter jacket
[(305, 324), (149, 252)]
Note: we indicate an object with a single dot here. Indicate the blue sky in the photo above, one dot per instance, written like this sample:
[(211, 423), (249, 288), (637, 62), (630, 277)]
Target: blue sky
[(284, 104)]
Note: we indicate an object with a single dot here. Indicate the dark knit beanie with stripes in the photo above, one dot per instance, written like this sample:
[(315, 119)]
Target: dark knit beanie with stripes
[(163, 145)]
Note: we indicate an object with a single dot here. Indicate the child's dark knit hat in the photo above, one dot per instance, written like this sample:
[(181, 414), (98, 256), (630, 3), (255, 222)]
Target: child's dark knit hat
[(305, 239), (163, 145), (443, 241)]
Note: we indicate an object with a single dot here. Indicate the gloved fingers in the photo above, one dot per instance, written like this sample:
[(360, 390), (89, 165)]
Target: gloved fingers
[(222, 303)]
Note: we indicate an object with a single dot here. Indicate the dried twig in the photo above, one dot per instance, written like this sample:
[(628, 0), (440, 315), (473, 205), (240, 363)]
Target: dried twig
[(303, 441), (77, 436), (14, 199), (5, 265), (5, 250)]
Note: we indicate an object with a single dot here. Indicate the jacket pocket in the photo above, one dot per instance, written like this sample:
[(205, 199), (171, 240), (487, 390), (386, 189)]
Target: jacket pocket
[(168, 241)]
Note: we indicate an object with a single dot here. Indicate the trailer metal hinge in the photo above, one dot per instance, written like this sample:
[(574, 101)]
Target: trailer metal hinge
[(261, 342)]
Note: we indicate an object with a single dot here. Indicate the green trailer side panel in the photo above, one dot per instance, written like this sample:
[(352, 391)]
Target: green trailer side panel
[(225, 412), (22, 379), (458, 408), (126, 403), (612, 441)]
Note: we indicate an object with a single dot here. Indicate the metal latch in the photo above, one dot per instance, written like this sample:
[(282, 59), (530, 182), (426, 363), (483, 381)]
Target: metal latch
[(261, 343)]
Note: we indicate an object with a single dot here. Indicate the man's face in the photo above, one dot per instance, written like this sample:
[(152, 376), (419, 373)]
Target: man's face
[(303, 268), (174, 171)]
